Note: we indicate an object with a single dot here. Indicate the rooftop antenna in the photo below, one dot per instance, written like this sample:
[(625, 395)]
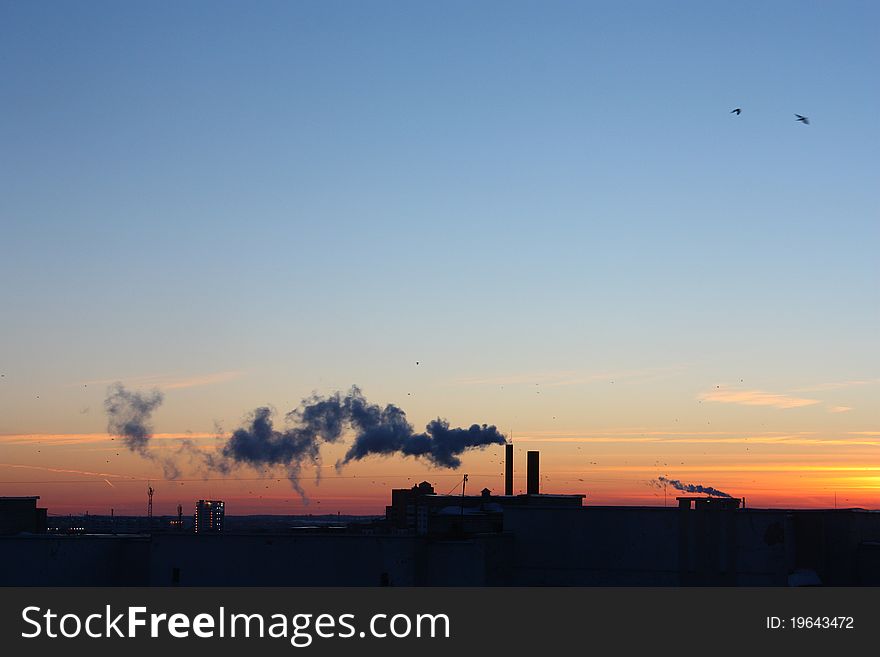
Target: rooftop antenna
[(463, 484), (149, 501)]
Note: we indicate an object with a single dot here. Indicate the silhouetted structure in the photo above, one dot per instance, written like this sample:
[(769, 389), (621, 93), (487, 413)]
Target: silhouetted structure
[(21, 514), (427, 539), (533, 473), (508, 469), (705, 503), (421, 511), (406, 510), (178, 522), (209, 517)]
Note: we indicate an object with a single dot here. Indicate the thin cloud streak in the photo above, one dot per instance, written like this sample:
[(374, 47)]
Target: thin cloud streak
[(167, 382), (793, 440), (734, 467), (725, 395), (839, 409), (85, 438), (20, 466), (637, 432)]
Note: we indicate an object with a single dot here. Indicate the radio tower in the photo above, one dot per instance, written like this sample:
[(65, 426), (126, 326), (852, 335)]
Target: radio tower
[(463, 484), (149, 502)]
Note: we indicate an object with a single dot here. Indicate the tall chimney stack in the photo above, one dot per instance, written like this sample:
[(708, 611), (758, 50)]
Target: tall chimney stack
[(533, 474), (508, 469)]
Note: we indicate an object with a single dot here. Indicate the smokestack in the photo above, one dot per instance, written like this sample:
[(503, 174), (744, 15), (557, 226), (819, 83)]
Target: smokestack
[(508, 469), (533, 475)]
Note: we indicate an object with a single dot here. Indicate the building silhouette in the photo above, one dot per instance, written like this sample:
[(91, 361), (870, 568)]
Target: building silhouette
[(426, 539), (209, 517), (21, 514), (421, 511)]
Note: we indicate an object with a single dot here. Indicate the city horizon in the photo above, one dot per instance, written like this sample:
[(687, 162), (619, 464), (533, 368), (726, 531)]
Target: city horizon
[(253, 493)]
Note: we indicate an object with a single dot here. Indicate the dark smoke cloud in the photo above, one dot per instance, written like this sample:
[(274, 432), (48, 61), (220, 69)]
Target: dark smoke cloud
[(392, 434), (378, 431), (381, 431), (689, 488), (260, 444), (386, 431), (128, 415), (128, 418)]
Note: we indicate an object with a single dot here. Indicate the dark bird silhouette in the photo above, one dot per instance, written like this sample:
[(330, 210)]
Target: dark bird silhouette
[(803, 119), (736, 111)]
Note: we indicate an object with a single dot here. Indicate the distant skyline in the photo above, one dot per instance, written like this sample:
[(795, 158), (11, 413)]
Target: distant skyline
[(538, 216)]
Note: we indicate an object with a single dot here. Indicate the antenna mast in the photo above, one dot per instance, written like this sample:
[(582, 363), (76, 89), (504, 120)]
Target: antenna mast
[(463, 484), (149, 501)]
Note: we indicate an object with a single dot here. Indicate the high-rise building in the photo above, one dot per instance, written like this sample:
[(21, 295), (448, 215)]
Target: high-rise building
[(209, 516)]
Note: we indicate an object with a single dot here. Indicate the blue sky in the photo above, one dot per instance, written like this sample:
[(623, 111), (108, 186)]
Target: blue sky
[(308, 195)]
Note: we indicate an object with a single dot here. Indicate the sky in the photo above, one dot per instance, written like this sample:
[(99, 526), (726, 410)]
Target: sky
[(536, 215)]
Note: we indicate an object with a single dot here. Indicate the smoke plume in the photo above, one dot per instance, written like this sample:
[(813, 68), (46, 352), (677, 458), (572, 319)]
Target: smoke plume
[(260, 444), (128, 415), (392, 434), (380, 431), (690, 488), (128, 418)]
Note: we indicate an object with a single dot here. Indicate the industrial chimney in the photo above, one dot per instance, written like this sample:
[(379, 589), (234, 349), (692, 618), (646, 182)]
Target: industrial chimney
[(533, 474), (508, 469)]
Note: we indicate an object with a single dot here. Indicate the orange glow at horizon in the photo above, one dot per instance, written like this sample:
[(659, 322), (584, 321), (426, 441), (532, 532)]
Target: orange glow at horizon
[(74, 473)]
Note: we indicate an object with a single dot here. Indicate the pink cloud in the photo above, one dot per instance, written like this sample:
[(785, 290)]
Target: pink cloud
[(725, 395)]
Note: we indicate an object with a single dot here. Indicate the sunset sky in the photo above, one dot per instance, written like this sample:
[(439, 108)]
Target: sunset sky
[(537, 215)]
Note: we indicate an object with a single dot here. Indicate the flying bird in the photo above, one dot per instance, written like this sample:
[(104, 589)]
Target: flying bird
[(803, 119), (736, 111)]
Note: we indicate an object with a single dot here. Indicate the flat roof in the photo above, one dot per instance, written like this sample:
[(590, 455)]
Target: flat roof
[(515, 495), (705, 497), (19, 499)]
